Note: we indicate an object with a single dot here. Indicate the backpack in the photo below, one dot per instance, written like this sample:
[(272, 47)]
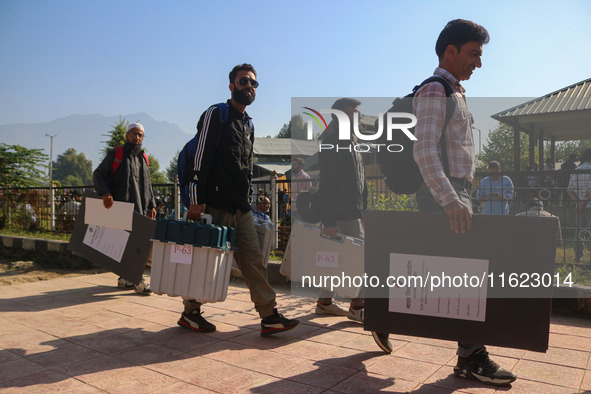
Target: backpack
[(119, 158), (402, 175), (186, 160), (309, 206)]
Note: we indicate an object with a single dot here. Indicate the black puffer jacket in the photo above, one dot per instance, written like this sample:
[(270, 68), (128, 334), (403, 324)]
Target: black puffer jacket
[(121, 184)]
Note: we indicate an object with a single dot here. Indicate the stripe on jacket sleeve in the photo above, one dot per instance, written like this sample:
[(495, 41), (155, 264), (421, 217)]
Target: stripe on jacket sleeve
[(203, 137)]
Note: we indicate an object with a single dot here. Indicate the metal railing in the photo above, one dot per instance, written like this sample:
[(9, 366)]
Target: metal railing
[(55, 209)]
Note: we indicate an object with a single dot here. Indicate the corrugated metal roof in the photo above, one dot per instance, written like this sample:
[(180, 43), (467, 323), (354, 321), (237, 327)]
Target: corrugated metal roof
[(562, 115), (572, 98), (284, 147), (280, 168)]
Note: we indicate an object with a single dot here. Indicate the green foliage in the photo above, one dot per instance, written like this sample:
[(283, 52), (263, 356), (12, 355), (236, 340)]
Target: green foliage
[(156, 175), (388, 201), (499, 147), (564, 149), (72, 169), (171, 169), (22, 167), (116, 135), (296, 129)]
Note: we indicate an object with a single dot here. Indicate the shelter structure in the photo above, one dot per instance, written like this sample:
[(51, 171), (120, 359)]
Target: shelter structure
[(563, 115)]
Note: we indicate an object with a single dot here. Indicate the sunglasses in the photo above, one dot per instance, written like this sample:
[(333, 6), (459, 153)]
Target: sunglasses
[(244, 81)]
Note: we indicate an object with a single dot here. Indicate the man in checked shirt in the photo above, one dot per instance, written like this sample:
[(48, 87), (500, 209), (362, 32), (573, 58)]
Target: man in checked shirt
[(446, 188)]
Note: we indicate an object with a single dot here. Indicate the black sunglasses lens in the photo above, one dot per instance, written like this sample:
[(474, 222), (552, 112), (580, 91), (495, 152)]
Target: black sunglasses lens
[(244, 81)]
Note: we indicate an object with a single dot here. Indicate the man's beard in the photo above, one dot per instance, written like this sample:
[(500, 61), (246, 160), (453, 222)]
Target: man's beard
[(131, 148), (242, 97)]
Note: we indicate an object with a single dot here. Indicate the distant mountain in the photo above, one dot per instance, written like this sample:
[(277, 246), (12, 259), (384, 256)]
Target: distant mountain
[(85, 133)]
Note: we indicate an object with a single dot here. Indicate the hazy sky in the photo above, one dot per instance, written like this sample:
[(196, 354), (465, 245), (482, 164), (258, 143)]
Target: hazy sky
[(171, 59)]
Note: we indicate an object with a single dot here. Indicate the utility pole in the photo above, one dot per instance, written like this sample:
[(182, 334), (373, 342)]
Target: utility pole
[(479, 139), (51, 188)]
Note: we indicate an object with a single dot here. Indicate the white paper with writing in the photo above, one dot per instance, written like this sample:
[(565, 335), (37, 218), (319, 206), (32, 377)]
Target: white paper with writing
[(120, 215), (451, 287), (182, 254), (109, 241)]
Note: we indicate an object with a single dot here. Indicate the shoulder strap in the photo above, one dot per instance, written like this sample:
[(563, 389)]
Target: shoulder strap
[(118, 159), (147, 161)]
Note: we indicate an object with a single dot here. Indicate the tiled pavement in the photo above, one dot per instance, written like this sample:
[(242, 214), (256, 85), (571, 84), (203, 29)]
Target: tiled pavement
[(82, 334)]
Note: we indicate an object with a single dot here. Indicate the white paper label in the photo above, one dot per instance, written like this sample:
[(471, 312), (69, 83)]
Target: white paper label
[(182, 254), (327, 259), (109, 241), (438, 286)]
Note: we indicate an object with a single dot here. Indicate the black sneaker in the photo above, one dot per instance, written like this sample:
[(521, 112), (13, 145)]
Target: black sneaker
[(277, 323), (478, 366), (195, 322), (382, 341)]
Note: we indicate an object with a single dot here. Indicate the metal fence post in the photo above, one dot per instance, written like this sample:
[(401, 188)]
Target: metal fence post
[(274, 208), (177, 199), (52, 209)]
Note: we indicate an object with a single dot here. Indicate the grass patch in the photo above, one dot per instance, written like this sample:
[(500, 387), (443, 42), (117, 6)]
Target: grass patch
[(45, 260), (42, 234)]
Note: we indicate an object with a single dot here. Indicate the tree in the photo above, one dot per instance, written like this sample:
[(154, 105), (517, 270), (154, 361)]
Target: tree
[(171, 170), (565, 149), (22, 167), (296, 129), (116, 135), (499, 147), (156, 175), (72, 169)]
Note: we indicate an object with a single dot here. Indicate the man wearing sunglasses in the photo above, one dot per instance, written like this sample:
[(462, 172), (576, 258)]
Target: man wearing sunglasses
[(222, 187)]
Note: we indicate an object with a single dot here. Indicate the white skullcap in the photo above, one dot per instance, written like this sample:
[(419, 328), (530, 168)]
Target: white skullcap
[(136, 125)]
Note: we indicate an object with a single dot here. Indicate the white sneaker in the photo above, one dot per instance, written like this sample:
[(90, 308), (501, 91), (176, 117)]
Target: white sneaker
[(355, 314), (124, 284), (330, 309), (142, 288)]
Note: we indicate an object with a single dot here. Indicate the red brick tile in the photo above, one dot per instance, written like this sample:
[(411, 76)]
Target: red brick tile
[(18, 369), (428, 353), (527, 386), (586, 384), (368, 344), (364, 382), (63, 356), (254, 339), (94, 369), (47, 382), (181, 387), (274, 385), (402, 368), (262, 361), (560, 356), (570, 342), (354, 359), (133, 380), (221, 377), (549, 373), (317, 373), (305, 349)]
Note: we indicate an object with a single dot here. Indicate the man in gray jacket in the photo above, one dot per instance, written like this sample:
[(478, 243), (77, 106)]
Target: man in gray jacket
[(123, 175)]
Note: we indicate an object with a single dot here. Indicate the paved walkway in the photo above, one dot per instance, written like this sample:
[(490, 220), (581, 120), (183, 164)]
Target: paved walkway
[(82, 334)]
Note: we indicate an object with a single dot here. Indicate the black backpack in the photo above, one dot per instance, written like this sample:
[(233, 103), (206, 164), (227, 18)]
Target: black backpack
[(309, 206), (402, 175)]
